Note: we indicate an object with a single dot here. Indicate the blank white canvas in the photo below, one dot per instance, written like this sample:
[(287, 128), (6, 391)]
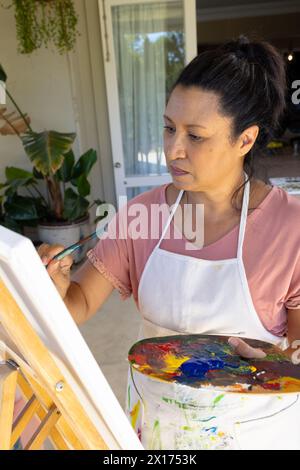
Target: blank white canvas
[(28, 281)]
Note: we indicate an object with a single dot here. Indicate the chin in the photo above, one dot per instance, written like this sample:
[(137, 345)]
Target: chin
[(181, 185), (185, 179)]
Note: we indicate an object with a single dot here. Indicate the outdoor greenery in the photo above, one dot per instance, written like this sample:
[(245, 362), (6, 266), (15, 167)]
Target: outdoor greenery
[(22, 202), (41, 22)]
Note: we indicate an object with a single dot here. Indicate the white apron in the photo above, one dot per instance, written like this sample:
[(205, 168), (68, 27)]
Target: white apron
[(180, 294)]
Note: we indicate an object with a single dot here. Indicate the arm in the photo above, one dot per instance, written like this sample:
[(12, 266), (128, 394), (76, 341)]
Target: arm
[(87, 293)]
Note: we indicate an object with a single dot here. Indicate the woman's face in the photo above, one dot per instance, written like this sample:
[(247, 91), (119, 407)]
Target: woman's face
[(197, 140)]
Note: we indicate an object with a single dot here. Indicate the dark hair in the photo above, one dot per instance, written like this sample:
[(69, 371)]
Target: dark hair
[(250, 79)]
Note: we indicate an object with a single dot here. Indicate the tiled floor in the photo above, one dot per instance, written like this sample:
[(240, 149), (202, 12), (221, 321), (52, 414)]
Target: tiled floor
[(112, 331), (110, 334)]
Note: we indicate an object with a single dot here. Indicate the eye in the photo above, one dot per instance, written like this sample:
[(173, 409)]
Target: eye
[(169, 129), (196, 138)]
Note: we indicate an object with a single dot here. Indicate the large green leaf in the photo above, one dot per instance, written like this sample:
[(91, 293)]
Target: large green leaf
[(46, 149), (21, 208), (3, 76), (16, 178), (13, 173), (83, 186), (75, 206), (11, 224), (84, 164), (37, 174), (66, 170), (41, 209)]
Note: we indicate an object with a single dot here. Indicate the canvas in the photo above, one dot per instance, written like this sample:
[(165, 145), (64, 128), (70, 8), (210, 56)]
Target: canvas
[(32, 308)]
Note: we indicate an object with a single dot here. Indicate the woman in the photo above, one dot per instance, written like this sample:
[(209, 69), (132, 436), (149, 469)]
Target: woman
[(245, 279)]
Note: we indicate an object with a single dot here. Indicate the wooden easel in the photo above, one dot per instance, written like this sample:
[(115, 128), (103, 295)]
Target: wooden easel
[(48, 395)]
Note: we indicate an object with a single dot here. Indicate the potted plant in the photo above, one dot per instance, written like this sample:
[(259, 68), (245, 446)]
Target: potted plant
[(39, 22), (53, 196)]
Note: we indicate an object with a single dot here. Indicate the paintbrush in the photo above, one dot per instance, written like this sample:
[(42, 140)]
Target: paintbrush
[(70, 249)]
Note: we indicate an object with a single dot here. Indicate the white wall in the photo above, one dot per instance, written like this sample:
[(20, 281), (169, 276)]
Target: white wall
[(63, 93), (40, 85), (91, 101)]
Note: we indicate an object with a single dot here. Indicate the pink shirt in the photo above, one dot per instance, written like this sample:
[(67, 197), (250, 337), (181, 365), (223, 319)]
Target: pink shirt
[(271, 252)]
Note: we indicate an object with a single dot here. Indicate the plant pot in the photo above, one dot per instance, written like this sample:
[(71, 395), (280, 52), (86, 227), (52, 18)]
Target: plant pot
[(31, 233), (67, 234)]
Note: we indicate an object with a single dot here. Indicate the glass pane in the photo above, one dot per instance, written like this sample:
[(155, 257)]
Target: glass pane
[(150, 53)]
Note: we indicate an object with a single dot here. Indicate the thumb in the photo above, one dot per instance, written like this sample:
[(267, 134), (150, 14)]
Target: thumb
[(243, 349)]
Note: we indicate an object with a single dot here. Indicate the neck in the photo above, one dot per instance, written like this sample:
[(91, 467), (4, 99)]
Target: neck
[(218, 201)]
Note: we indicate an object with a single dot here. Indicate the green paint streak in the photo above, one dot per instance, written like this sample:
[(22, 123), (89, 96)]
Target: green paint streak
[(241, 370), (183, 406), (167, 400), (129, 397), (187, 428), (156, 437), (216, 400), (275, 357), (186, 418), (206, 420)]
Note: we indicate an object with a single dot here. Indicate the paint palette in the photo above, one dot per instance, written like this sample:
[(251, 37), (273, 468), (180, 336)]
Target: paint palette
[(206, 361)]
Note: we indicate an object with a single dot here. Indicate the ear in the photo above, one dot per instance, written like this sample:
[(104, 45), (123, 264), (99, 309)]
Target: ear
[(247, 139)]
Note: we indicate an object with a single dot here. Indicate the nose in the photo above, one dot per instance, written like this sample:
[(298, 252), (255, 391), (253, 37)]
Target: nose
[(175, 148)]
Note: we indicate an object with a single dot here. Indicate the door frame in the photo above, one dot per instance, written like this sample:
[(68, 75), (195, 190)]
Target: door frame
[(190, 27)]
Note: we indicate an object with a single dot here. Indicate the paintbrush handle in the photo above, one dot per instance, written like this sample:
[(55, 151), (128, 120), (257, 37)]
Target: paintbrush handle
[(70, 249)]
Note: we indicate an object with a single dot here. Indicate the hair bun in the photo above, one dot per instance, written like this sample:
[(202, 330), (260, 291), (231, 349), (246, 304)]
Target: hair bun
[(241, 47), (242, 40)]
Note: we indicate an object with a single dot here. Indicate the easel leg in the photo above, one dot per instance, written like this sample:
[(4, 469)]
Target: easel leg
[(44, 429), (24, 418), (8, 385)]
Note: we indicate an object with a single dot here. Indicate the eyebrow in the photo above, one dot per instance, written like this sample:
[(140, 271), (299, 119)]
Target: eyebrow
[(187, 125)]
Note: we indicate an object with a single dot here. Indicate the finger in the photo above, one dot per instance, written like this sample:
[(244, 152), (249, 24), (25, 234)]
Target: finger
[(245, 350), (53, 268), (42, 250), (57, 267), (67, 261), (49, 251), (66, 270), (65, 266)]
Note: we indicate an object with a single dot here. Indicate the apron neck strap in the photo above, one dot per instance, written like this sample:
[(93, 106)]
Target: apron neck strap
[(170, 216), (243, 219)]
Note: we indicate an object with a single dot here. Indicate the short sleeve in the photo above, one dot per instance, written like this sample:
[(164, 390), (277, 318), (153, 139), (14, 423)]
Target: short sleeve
[(293, 296), (110, 255)]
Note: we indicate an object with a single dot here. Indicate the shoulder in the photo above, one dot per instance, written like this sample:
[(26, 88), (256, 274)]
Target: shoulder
[(285, 202), (155, 195), (142, 204), (284, 213)]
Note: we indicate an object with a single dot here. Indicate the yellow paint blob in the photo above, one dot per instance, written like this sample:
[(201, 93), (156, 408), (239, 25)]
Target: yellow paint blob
[(134, 414), (172, 362)]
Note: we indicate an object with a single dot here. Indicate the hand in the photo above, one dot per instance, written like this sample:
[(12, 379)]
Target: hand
[(243, 349), (59, 271)]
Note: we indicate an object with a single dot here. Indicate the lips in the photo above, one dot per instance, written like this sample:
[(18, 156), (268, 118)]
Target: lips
[(178, 171)]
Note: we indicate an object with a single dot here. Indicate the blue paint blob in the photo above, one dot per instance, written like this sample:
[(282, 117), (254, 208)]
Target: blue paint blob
[(212, 430), (198, 368)]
